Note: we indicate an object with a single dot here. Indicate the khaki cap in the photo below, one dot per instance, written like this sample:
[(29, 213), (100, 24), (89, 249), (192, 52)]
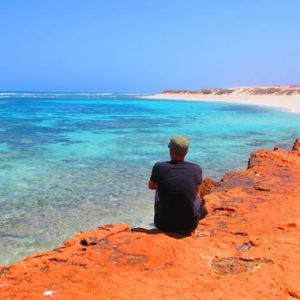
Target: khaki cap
[(179, 145)]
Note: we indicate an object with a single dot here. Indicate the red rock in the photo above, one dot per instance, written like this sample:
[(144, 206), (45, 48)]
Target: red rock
[(246, 248), (207, 186), (296, 146)]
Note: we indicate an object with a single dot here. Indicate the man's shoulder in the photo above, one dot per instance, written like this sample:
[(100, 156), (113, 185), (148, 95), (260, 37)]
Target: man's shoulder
[(171, 164), (193, 165), (159, 168), (160, 164)]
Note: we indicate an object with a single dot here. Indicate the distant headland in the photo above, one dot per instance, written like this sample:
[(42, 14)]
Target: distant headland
[(282, 97), (254, 91)]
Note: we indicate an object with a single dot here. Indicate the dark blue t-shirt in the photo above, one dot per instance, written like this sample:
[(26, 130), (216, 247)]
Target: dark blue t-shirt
[(177, 188)]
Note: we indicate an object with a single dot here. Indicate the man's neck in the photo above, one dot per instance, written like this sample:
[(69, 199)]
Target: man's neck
[(177, 160), (176, 157)]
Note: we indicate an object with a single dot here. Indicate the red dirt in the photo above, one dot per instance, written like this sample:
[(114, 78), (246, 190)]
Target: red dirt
[(246, 248)]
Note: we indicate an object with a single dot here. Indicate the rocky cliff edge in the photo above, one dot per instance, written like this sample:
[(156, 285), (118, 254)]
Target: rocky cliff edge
[(246, 248)]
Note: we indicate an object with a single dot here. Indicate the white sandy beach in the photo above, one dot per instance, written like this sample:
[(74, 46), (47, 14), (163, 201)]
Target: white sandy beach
[(290, 103)]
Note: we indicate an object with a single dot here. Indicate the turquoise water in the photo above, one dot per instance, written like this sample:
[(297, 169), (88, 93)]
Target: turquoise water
[(74, 162)]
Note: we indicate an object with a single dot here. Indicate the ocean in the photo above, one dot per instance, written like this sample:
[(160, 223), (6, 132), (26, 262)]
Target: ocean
[(72, 162)]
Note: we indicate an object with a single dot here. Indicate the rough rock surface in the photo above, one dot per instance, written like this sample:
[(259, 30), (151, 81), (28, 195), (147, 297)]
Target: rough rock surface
[(246, 248)]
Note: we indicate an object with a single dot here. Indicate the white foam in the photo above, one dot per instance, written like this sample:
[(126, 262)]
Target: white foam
[(131, 94), (102, 94), (52, 95)]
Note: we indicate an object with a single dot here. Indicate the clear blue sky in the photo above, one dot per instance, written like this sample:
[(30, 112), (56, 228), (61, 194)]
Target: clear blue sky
[(147, 45)]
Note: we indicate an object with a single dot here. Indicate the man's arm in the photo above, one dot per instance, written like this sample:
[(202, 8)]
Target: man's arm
[(199, 176), (199, 192), (152, 185)]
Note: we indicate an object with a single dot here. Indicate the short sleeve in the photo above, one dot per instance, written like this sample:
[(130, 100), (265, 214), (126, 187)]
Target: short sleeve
[(154, 173)]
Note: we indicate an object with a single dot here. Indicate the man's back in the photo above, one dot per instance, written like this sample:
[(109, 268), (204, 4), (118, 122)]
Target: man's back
[(177, 188)]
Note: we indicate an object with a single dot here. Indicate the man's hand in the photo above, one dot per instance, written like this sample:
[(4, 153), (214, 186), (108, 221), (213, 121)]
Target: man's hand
[(152, 185)]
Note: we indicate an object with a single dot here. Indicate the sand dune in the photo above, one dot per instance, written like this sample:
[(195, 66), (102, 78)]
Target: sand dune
[(282, 97)]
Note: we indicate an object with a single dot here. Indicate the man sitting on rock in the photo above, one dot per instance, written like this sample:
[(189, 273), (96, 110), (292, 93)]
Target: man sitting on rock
[(178, 208)]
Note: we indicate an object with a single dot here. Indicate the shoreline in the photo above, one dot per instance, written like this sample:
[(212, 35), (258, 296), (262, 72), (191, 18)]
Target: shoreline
[(288, 103)]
